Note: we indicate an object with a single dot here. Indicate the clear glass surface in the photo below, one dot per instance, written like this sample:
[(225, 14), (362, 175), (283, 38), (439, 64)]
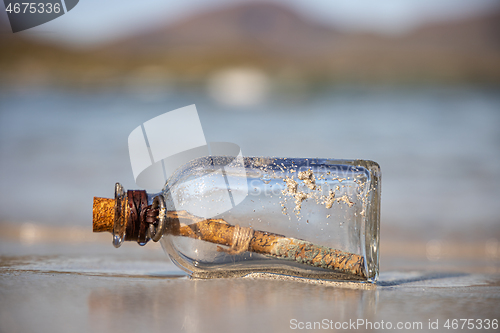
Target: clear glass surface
[(330, 203)]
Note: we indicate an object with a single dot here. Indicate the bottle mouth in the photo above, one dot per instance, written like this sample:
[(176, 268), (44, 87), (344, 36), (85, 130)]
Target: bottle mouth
[(129, 217)]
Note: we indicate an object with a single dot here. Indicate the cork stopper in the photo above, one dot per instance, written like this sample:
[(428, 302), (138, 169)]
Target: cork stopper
[(103, 214)]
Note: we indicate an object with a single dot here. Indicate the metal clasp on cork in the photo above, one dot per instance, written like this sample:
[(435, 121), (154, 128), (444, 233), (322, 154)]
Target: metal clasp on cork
[(128, 216)]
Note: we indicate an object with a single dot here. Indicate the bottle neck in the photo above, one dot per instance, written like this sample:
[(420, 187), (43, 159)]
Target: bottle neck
[(136, 226), (129, 217)]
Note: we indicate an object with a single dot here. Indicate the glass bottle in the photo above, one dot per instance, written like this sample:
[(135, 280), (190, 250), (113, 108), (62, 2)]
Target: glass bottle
[(224, 216)]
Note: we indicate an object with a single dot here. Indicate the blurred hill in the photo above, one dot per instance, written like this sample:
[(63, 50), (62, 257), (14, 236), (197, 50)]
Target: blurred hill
[(274, 39)]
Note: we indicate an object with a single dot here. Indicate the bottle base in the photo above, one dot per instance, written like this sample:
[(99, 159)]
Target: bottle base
[(282, 274)]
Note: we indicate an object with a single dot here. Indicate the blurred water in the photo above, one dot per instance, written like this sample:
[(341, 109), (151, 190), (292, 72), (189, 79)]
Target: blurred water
[(438, 147)]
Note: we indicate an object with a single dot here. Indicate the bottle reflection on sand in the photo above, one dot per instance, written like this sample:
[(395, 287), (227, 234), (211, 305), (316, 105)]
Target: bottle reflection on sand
[(226, 305)]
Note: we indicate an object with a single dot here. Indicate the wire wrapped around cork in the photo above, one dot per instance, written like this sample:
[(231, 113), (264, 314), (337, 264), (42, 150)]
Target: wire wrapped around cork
[(237, 239)]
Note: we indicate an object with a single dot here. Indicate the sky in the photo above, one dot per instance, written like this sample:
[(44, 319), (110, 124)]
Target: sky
[(97, 21)]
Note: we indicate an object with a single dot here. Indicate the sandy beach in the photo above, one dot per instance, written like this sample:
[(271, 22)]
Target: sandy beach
[(49, 284)]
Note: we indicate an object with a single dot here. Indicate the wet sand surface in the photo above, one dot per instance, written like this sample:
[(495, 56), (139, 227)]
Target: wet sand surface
[(59, 287)]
